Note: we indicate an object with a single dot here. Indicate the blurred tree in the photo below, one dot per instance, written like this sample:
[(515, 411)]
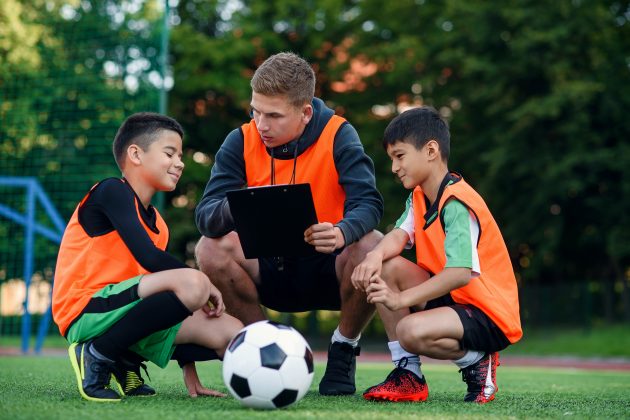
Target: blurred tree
[(536, 94), (70, 72)]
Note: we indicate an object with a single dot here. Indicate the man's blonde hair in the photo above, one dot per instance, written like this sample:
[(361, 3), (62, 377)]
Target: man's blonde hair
[(287, 74)]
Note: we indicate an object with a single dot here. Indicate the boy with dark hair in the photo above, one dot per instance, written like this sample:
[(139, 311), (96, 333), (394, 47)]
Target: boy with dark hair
[(118, 296), (460, 301)]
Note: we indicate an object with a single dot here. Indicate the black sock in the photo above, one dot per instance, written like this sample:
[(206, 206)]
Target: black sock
[(187, 353), (154, 313)]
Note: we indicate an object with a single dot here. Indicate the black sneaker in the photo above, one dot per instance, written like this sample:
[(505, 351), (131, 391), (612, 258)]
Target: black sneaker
[(92, 374), (481, 379), (342, 364), (127, 377)]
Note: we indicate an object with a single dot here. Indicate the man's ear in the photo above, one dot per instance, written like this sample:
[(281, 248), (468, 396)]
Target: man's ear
[(307, 113), (134, 154)]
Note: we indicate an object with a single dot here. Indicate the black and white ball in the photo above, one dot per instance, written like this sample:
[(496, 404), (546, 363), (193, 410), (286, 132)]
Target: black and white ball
[(268, 365)]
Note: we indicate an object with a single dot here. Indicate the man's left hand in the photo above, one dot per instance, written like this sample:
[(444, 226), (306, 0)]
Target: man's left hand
[(325, 237)]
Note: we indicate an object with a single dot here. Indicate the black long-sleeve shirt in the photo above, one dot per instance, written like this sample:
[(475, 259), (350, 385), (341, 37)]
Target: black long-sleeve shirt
[(112, 206)]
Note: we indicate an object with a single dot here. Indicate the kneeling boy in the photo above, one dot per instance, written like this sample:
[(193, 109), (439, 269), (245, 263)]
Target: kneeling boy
[(460, 301), (118, 296)]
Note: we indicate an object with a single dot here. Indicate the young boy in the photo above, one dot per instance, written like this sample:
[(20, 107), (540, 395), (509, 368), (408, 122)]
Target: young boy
[(118, 297), (460, 302)]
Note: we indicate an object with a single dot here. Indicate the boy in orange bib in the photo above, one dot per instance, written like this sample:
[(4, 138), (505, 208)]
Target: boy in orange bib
[(459, 301), (119, 298)]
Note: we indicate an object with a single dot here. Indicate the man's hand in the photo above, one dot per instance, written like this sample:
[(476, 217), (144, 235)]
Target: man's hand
[(371, 266), (325, 237), (193, 385), (215, 306), (379, 292)]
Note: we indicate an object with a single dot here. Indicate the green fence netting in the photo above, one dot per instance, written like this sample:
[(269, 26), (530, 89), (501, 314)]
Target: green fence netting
[(70, 73)]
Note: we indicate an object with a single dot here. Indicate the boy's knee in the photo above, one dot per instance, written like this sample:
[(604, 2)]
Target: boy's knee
[(409, 335), (194, 288)]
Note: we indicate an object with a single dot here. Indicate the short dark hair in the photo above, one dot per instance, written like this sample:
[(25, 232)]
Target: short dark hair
[(417, 126), (141, 129), (287, 74)]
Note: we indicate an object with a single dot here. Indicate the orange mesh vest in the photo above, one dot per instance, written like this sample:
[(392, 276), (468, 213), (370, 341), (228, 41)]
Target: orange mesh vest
[(87, 264), (315, 166), (494, 291)]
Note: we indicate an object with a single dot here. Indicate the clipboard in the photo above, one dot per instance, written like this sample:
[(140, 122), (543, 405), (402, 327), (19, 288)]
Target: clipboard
[(271, 220)]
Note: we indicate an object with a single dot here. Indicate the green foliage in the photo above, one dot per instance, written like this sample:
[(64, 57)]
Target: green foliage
[(46, 387), (535, 92), (70, 72)]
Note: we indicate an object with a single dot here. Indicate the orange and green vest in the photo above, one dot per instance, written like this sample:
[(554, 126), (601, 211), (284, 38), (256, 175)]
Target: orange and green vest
[(315, 166), (495, 290), (87, 264)]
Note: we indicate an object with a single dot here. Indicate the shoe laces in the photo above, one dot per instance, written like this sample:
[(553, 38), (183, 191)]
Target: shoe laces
[(474, 374), (133, 379), (341, 364), (398, 370)]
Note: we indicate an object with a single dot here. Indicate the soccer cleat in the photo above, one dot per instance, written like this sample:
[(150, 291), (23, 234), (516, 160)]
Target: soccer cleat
[(400, 385), (127, 377), (481, 379), (93, 375), (342, 364)]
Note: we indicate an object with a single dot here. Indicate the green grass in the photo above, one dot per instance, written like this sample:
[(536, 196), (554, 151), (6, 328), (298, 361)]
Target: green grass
[(44, 387), (600, 341)]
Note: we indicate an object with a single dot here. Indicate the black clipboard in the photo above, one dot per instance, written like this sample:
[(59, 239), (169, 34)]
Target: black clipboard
[(271, 220)]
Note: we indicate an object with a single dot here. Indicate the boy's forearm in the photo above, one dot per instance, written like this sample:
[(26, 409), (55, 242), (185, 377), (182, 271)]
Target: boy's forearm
[(439, 285), (391, 245)]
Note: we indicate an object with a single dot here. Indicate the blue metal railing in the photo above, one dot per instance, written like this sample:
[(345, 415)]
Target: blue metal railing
[(34, 194)]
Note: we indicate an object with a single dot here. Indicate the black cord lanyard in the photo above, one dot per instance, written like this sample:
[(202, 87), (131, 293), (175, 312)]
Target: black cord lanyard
[(273, 166)]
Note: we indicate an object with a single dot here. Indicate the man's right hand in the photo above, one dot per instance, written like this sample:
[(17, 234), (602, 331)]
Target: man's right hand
[(371, 266)]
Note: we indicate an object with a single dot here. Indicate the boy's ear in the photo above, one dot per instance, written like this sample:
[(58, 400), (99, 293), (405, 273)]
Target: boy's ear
[(133, 154), (433, 150)]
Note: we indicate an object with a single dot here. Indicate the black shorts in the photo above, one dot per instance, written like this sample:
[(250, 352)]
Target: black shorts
[(480, 332), (299, 284)]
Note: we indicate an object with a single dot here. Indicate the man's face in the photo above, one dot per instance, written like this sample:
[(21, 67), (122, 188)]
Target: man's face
[(277, 120)]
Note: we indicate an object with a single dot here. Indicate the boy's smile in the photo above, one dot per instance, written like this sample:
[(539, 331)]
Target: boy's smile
[(408, 163)]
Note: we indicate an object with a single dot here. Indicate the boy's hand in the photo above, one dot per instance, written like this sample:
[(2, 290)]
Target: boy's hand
[(193, 385), (215, 306), (371, 266), (325, 237), (379, 292)]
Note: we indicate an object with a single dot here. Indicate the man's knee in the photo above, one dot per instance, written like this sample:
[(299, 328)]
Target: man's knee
[(216, 253), (359, 249)]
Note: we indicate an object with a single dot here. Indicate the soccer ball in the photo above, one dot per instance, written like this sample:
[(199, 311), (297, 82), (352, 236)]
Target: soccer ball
[(268, 365)]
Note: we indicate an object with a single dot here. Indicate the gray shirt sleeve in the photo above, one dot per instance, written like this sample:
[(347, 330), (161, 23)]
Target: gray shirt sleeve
[(212, 215), (363, 207)]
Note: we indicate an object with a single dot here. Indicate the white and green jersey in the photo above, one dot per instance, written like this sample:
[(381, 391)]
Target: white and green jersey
[(462, 233)]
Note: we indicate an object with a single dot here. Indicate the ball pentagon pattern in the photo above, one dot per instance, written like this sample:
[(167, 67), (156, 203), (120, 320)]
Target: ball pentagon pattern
[(268, 365)]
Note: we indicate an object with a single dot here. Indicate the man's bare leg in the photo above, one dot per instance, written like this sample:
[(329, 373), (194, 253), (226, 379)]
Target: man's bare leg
[(356, 312), (222, 260)]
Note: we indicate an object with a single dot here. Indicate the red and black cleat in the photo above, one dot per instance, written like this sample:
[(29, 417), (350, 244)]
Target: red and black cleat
[(400, 385), (481, 379)]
